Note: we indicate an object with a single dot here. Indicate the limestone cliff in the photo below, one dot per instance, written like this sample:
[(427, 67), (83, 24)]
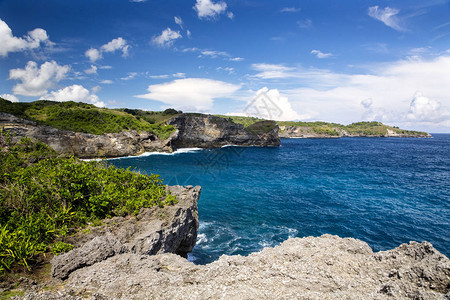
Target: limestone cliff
[(326, 267), (206, 131), (84, 145), (203, 131)]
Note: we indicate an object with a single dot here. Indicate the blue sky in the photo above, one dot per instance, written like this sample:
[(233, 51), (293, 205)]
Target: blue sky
[(337, 61)]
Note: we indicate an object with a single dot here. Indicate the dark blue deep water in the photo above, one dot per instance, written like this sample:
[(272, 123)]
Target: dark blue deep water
[(384, 191)]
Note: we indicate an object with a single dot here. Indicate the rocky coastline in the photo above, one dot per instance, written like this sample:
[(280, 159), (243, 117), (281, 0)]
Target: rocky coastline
[(309, 133), (192, 130)]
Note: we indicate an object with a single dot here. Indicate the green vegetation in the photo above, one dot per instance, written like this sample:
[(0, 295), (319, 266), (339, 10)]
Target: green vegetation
[(87, 118), (332, 129), (44, 197)]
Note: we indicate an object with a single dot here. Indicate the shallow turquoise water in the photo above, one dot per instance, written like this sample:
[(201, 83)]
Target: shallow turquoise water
[(384, 191)]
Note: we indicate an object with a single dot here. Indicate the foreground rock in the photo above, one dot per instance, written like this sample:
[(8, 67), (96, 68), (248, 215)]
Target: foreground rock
[(326, 267), (171, 229)]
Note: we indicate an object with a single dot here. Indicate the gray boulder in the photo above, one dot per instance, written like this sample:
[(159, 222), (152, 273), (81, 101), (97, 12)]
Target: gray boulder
[(171, 229)]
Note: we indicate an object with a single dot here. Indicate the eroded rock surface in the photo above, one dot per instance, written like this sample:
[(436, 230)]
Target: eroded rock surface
[(326, 267), (206, 131), (171, 229)]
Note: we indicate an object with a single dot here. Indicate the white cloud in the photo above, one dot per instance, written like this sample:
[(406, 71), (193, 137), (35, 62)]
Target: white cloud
[(229, 70), (270, 104), (165, 76), (386, 15), (424, 109), (230, 15), (188, 33), (206, 9), (270, 71), (178, 21), (106, 81), (10, 43), (36, 81), (166, 38), (306, 23), (75, 93), (93, 54), (213, 54), (337, 97), (290, 9), (9, 97), (116, 44), (91, 70), (236, 59), (190, 94), (179, 75), (131, 75), (320, 54), (159, 76)]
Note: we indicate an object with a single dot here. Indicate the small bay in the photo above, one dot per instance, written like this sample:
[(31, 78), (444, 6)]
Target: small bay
[(384, 191)]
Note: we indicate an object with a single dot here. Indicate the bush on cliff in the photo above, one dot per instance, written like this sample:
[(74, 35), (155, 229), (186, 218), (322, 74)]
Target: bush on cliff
[(44, 197)]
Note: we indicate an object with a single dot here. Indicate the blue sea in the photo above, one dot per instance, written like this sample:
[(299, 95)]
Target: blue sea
[(384, 191)]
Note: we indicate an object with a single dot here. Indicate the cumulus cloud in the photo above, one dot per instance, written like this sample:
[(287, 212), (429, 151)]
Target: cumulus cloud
[(75, 93), (10, 43), (93, 54), (390, 86), (206, 9), (114, 45), (9, 97), (270, 104), (166, 38), (190, 94), (386, 15), (424, 109), (320, 54), (37, 80)]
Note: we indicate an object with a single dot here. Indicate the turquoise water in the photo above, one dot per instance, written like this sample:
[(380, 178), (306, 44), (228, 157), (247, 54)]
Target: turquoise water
[(384, 191)]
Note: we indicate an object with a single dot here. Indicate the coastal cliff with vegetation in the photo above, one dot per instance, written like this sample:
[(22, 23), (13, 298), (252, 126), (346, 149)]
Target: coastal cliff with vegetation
[(86, 131), (73, 229)]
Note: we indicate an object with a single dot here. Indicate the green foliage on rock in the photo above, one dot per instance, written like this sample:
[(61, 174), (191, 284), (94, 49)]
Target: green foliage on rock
[(44, 197), (87, 118)]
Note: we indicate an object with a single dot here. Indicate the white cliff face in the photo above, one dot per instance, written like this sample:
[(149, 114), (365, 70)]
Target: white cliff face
[(326, 267)]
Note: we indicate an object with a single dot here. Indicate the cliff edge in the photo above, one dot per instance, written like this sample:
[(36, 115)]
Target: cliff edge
[(326, 267)]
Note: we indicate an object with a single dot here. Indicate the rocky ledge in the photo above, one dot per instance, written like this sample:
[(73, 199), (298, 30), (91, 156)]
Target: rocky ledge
[(326, 267), (192, 130), (170, 229)]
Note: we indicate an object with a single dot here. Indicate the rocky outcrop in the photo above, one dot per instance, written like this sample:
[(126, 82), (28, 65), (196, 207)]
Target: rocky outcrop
[(192, 130), (326, 267), (84, 145), (206, 131), (171, 229)]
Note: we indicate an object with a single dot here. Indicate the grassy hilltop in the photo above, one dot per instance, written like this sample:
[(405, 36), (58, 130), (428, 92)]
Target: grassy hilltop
[(333, 129), (87, 118)]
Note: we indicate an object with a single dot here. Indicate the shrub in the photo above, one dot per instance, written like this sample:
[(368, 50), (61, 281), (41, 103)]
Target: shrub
[(43, 197)]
